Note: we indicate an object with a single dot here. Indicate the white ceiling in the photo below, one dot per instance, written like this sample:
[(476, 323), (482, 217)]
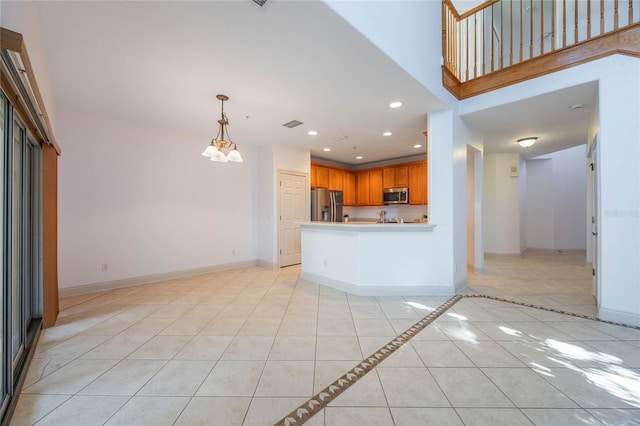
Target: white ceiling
[(548, 117), (162, 63)]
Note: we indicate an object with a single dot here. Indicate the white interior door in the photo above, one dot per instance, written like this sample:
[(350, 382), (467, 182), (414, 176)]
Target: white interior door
[(292, 209)]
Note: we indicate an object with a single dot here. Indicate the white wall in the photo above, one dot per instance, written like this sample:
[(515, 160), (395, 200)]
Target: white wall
[(556, 201), (407, 212), (274, 158), (501, 212), (570, 197), (144, 201), (540, 204), (409, 32)]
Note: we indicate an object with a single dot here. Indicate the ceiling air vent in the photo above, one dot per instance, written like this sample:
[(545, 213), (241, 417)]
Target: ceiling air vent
[(260, 2), (292, 124)]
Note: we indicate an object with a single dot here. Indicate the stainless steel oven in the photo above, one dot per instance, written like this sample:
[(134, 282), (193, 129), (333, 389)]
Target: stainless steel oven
[(395, 196)]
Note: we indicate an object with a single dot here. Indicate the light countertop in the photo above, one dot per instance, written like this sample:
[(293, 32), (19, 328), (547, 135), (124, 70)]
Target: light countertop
[(369, 226)]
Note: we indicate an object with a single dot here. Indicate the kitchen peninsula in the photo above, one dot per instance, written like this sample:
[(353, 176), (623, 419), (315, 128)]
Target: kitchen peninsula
[(374, 259)]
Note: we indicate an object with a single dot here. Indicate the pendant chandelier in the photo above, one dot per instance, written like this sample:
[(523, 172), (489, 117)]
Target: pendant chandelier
[(215, 150)]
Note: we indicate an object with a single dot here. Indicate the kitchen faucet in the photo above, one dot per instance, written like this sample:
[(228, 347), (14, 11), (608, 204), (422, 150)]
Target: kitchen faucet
[(381, 216)]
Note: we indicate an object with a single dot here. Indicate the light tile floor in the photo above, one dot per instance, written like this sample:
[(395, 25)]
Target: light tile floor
[(248, 346)]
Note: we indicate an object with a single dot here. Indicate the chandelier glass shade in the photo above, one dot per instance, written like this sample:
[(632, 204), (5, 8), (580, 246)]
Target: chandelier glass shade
[(216, 149)]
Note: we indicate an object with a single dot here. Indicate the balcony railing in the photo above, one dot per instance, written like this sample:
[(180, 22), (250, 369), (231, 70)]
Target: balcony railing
[(499, 34)]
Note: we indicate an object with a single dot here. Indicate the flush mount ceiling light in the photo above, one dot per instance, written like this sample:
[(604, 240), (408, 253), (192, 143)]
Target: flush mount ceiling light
[(527, 142), (395, 104), (387, 134), (215, 150), (312, 133), (417, 146), (326, 149), (359, 157)]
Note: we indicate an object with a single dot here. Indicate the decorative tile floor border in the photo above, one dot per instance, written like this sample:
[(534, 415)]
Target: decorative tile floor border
[(320, 400)]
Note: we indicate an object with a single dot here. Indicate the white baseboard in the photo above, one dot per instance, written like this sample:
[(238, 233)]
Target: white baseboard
[(461, 285), (374, 290), (629, 318), (267, 265), (146, 279)]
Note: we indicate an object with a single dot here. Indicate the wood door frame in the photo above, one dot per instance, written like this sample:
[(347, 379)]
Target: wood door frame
[(307, 208)]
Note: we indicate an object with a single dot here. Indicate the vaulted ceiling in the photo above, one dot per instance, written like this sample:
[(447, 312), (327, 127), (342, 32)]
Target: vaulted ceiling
[(162, 63)]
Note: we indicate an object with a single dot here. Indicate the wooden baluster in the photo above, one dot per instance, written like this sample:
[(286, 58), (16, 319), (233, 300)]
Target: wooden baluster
[(564, 23), (630, 12), (475, 45), (467, 49), (501, 37), (541, 27), (492, 38), (530, 29), (521, 21), (615, 14), (510, 32), (458, 49), (601, 17), (575, 22), (553, 25), (588, 19), (484, 41)]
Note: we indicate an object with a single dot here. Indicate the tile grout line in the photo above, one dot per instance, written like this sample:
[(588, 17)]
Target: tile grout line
[(316, 403)]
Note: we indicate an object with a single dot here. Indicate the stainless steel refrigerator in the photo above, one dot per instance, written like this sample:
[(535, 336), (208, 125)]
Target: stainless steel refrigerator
[(326, 205)]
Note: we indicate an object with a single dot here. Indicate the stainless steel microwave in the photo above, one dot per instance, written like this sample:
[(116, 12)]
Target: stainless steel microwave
[(395, 196)]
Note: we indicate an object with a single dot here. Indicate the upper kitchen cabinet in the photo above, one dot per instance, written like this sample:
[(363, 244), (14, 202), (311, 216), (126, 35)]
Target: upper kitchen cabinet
[(362, 187), (402, 176), (389, 177), (349, 195), (319, 176), (418, 182), (395, 176), (375, 187), (336, 179)]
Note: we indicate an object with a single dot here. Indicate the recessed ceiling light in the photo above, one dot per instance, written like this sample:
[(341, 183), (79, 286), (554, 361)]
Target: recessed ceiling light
[(417, 146), (387, 134), (359, 157), (576, 106), (395, 104), (327, 149), (312, 133)]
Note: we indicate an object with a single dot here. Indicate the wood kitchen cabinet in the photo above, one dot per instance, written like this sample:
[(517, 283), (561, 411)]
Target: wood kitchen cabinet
[(336, 179), (349, 195), (395, 177), (322, 177), (375, 187), (418, 182), (362, 187), (402, 176), (389, 177)]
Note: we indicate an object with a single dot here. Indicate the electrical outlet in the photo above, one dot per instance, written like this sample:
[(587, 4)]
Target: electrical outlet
[(325, 263), (233, 251), (105, 267)]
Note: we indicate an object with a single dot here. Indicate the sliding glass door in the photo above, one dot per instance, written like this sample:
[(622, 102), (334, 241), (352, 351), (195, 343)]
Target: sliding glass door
[(4, 382), (20, 252)]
